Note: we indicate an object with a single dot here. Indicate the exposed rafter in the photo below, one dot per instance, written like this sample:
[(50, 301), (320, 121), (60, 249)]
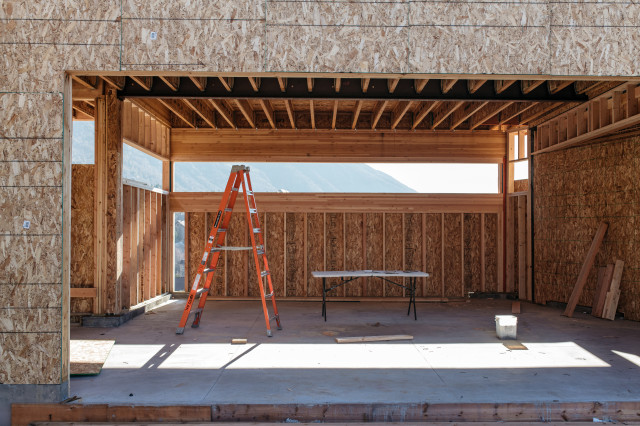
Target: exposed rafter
[(419, 84), (334, 116), (392, 83), (255, 83), (365, 84), (446, 85), (474, 85), (556, 86), (445, 110), (514, 110), (310, 84), (356, 114), (399, 111), (145, 82), (172, 82), (282, 82), (486, 113), (246, 110), (181, 110), (377, 113), (90, 82), (528, 85), (268, 111), (313, 114), (204, 110), (84, 108), (337, 84), (462, 114), (201, 82), (227, 83), (117, 81), (223, 111), (502, 85), (422, 112), (290, 113)]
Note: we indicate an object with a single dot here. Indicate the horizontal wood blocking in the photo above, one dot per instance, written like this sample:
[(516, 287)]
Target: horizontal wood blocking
[(341, 202), (336, 146), (613, 112), (144, 132)]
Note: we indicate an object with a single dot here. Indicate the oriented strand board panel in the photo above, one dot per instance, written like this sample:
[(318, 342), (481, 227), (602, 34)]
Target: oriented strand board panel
[(433, 249), (315, 252), (275, 235), (254, 287), (30, 259), (574, 191), (413, 256), (453, 286), (31, 115), (353, 251), (294, 271), (472, 261), (196, 245), (38, 365), (237, 261), (88, 356), (393, 250), (374, 229), (33, 149), (42, 207), (82, 230), (334, 243), (491, 252)]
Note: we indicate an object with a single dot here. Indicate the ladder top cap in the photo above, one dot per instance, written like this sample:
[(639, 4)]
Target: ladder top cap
[(239, 167)]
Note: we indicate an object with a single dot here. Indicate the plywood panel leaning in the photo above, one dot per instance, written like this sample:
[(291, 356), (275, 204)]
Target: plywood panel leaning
[(613, 295), (605, 275)]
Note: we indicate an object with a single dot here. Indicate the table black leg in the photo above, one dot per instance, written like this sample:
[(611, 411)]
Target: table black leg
[(324, 299), (413, 293)]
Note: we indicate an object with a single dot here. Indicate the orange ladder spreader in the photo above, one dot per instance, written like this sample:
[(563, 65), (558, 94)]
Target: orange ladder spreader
[(215, 245)]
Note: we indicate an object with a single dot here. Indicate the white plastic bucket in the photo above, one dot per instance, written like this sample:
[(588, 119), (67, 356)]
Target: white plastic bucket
[(506, 327)]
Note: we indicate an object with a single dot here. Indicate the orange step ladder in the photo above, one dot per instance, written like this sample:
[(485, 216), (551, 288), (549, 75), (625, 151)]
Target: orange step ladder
[(239, 178)]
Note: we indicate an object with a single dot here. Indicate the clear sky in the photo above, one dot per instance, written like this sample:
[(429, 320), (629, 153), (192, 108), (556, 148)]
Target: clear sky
[(444, 178)]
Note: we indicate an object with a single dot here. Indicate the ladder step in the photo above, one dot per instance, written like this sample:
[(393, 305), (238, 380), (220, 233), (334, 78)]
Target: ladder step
[(268, 296), (250, 193), (260, 251), (228, 209), (256, 230), (253, 211), (235, 189), (222, 229), (265, 273), (201, 290), (206, 271)]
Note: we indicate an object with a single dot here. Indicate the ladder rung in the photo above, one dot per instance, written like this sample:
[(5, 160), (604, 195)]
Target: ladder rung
[(260, 251), (265, 273), (195, 311), (253, 211), (222, 229), (228, 209), (206, 271), (200, 291), (256, 230), (250, 193), (268, 296), (235, 189)]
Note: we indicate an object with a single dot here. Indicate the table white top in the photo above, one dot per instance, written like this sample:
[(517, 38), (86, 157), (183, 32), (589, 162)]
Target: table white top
[(368, 273)]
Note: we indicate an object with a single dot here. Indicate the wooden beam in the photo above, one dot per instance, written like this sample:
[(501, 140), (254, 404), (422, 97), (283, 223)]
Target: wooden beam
[(632, 100), (605, 274), (268, 111), (502, 85), (583, 86), (392, 83), (337, 84), (255, 83), (419, 84), (282, 82), (204, 110), (181, 110), (487, 112), (462, 114), (90, 292), (527, 86), (115, 81), (377, 112), (537, 110), (201, 82), (586, 268), (309, 84), (474, 85), (365, 84), (313, 114), (365, 145), (557, 85), (81, 92), (246, 110), (334, 115), (223, 111), (292, 118), (399, 111), (447, 84), (348, 202), (227, 83), (144, 81), (172, 82), (90, 82), (445, 109), (155, 109), (515, 110), (84, 108), (422, 112), (613, 295), (356, 113)]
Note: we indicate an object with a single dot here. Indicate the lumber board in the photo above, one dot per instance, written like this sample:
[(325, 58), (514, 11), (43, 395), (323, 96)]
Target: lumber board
[(83, 292), (336, 146), (586, 267), (347, 202), (360, 339), (605, 275), (88, 356), (613, 295)]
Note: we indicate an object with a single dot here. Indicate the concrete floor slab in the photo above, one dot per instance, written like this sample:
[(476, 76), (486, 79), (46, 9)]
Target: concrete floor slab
[(455, 356)]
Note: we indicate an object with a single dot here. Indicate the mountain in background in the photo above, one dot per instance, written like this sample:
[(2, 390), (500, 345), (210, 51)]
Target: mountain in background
[(265, 177)]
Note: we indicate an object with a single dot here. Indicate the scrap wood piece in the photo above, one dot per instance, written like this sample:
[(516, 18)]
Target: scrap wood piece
[(613, 295), (359, 339), (586, 267), (238, 341), (88, 356), (515, 307), (605, 275), (514, 345)]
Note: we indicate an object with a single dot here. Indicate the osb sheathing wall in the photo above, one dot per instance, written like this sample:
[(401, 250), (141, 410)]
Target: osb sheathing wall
[(298, 243), (40, 40), (575, 190), (82, 231)]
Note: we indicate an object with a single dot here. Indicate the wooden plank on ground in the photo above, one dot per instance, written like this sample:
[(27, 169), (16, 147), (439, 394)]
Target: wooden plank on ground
[(88, 356), (613, 295), (360, 339), (605, 274), (586, 267)]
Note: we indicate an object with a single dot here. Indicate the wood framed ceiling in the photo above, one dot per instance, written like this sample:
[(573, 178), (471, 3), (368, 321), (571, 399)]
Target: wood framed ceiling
[(325, 103)]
